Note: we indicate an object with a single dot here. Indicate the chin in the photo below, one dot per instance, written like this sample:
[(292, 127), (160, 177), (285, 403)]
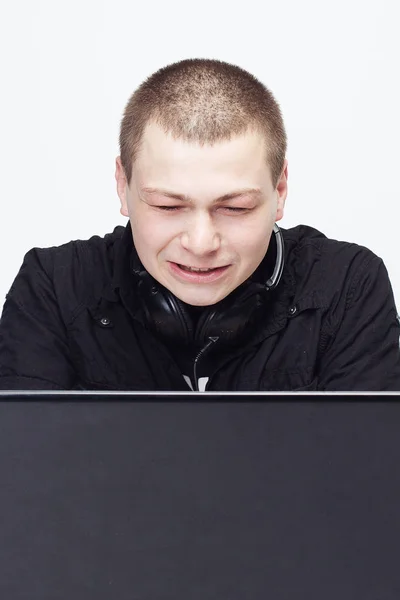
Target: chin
[(198, 299)]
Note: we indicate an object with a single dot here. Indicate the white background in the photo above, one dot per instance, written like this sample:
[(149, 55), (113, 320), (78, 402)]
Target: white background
[(68, 68)]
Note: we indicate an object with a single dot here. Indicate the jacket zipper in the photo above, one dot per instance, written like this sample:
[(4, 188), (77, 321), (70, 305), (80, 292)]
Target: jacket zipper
[(201, 353)]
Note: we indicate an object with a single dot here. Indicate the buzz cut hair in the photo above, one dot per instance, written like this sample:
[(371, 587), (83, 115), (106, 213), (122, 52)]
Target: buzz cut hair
[(203, 101)]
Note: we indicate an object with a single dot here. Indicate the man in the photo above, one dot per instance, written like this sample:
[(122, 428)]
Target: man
[(201, 290)]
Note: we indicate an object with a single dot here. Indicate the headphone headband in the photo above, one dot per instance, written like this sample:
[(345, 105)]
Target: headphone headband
[(275, 278)]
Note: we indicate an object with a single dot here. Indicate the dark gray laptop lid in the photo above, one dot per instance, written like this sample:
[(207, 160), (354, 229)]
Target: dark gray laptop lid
[(162, 497)]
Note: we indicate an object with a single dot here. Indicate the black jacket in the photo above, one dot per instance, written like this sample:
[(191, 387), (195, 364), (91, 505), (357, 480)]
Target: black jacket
[(331, 324)]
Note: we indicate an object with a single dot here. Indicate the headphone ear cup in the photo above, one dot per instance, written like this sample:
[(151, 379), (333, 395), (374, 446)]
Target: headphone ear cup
[(205, 327), (230, 321), (180, 315), (163, 313)]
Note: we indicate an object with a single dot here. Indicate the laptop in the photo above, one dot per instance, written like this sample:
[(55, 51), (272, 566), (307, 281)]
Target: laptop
[(199, 496)]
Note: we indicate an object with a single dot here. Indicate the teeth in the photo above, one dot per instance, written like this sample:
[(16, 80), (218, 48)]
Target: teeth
[(195, 270)]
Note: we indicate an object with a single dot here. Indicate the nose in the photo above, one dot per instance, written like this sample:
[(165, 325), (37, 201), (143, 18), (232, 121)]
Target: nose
[(200, 236)]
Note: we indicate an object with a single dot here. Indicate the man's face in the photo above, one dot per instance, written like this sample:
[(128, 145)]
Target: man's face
[(201, 216)]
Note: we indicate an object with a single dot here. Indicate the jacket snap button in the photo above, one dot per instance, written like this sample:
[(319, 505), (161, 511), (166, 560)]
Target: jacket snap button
[(104, 321), (292, 310)]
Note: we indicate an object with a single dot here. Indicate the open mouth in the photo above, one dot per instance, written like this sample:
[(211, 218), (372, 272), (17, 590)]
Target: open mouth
[(197, 270), (198, 274)]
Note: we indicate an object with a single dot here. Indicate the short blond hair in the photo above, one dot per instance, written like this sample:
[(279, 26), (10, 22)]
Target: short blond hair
[(203, 101)]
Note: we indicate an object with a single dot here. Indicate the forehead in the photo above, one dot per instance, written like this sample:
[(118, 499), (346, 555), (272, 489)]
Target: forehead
[(162, 155)]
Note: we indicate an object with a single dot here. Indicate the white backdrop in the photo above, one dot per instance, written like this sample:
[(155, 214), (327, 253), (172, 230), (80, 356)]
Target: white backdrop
[(68, 68)]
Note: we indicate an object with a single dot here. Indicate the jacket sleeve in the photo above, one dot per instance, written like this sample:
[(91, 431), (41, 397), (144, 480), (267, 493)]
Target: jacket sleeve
[(34, 352), (363, 351)]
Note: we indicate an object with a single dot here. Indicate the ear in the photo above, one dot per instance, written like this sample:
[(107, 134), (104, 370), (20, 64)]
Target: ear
[(122, 185), (281, 190)]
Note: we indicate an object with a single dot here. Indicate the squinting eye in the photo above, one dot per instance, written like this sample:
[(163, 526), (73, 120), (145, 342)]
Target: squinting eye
[(168, 208), (235, 209)]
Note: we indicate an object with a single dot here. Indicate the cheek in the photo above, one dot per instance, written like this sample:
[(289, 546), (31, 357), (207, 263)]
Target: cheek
[(253, 252), (150, 232), (251, 239)]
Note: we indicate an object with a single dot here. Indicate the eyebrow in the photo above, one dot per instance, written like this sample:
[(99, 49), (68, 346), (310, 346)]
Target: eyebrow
[(185, 198)]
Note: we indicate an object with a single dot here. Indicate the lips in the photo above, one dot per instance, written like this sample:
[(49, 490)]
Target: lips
[(197, 274), (197, 269)]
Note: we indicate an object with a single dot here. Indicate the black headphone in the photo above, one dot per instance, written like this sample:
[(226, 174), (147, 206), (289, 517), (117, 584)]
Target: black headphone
[(228, 320)]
